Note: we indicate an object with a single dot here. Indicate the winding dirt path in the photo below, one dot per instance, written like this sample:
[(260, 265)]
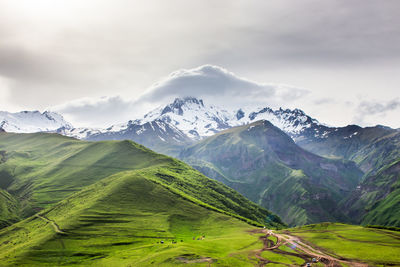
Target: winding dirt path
[(303, 250), (57, 229)]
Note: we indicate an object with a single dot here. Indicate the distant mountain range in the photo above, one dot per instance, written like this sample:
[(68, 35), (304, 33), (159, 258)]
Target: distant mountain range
[(189, 119), (282, 159)]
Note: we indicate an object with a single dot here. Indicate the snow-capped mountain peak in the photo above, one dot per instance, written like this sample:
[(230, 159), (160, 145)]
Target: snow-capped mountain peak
[(191, 116), (180, 104), (197, 119), (32, 121)]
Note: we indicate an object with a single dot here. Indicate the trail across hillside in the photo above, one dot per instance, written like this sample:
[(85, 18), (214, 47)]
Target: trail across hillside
[(300, 250), (57, 229)]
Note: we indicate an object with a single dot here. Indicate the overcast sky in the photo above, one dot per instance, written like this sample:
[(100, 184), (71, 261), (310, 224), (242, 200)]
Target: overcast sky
[(98, 62)]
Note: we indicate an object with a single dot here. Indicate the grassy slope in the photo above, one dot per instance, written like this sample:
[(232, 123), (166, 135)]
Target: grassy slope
[(375, 150), (377, 199), (120, 221), (338, 144), (379, 153), (378, 203), (46, 168), (265, 165), (9, 209), (373, 246)]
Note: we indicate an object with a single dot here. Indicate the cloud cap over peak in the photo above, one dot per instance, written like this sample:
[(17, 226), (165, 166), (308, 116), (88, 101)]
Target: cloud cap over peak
[(214, 84), (218, 85)]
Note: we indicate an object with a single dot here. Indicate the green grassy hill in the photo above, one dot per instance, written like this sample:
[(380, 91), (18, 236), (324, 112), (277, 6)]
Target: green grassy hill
[(264, 164), (120, 204), (40, 170), (121, 221), (9, 209), (111, 203)]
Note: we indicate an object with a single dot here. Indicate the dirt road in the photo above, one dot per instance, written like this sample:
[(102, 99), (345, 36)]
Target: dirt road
[(301, 250)]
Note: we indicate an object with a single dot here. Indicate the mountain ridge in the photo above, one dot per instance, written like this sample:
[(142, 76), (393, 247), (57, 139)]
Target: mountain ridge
[(263, 163)]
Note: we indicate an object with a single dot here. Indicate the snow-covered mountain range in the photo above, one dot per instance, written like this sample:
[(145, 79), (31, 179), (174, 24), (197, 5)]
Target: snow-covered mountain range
[(198, 120), (190, 119), (181, 122), (32, 121)]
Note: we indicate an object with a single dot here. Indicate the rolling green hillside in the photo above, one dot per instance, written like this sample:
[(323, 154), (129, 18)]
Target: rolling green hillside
[(9, 209), (40, 170), (116, 203), (128, 219), (264, 164)]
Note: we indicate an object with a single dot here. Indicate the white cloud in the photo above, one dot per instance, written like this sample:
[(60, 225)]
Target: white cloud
[(214, 84), (96, 112), (5, 92), (219, 86), (57, 51)]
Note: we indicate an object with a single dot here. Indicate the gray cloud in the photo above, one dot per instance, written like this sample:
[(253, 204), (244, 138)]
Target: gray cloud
[(324, 101), (368, 111), (57, 51), (369, 107), (205, 81), (95, 112)]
